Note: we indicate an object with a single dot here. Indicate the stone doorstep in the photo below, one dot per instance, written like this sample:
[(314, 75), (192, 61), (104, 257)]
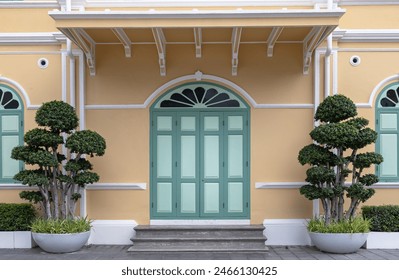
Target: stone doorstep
[(213, 238)]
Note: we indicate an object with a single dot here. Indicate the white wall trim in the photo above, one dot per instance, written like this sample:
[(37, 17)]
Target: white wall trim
[(20, 90), (198, 76), (29, 4), (366, 35), (18, 187), (112, 232), (96, 186), (198, 14), (297, 185), (117, 186), (199, 3), (378, 88), (286, 232), (198, 222), (32, 38), (279, 185)]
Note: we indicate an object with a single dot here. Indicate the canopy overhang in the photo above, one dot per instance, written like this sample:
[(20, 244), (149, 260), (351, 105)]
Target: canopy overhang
[(90, 28)]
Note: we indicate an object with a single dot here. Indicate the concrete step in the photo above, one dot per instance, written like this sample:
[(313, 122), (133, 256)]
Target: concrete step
[(199, 239), (199, 231)]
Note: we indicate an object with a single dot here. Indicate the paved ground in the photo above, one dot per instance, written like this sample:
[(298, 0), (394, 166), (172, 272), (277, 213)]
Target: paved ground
[(108, 252)]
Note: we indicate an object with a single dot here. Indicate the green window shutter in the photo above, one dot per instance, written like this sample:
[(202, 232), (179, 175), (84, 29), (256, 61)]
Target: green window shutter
[(11, 132), (387, 122)]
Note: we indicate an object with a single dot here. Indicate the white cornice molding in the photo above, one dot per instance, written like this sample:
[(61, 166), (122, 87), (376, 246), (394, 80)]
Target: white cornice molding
[(200, 3), (367, 2), (366, 35), (196, 14), (29, 4), (40, 38)]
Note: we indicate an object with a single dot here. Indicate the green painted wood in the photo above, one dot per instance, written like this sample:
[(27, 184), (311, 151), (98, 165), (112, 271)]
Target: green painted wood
[(204, 155), (11, 134), (387, 113)]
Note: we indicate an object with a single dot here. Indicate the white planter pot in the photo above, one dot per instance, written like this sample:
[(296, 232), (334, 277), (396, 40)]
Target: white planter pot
[(61, 243), (339, 243)]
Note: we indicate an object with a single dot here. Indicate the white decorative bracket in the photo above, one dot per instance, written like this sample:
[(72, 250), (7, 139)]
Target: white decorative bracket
[(198, 42), (235, 41), (127, 44), (160, 42), (271, 41), (86, 44), (315, 37)]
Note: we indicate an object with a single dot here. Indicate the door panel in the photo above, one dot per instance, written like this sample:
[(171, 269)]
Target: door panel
[(200, 165), (9, 139), (164, 198), (211, 201)]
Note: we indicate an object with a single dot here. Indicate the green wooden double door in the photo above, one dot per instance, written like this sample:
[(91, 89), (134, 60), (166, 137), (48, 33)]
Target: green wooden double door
[(200, 165)]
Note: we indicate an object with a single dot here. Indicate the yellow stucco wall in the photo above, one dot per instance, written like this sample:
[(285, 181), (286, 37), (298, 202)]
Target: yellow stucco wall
[(276, 134)]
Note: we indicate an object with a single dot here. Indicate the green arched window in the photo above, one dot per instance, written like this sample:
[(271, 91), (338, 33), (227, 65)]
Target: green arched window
[(11, 132), (387, 120)]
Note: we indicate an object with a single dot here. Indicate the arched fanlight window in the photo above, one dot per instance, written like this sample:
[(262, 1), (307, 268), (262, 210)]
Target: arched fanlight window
[(9, 100), (200, 95)]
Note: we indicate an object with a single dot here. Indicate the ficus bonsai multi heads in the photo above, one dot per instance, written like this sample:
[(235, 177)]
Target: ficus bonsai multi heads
[(57, 154), (336, 162)]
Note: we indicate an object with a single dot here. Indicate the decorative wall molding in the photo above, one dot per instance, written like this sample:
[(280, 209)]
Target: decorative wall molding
[(30, 4), (32, 38), (20, 90), (96, 186), (366, 35), (297, 185), (279, 185), (117, 186), (199, 3), (17, 187)]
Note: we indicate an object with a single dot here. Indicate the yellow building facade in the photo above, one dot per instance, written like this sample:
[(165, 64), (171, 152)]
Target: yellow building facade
[(204, 104)]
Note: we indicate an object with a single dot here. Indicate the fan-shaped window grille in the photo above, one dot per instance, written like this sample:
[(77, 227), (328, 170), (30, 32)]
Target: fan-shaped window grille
[(389, 96), (8, 99), (200, 95)]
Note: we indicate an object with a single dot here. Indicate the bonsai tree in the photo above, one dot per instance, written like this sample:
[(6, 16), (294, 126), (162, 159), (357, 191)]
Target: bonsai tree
[(337, 164), (57, 155)]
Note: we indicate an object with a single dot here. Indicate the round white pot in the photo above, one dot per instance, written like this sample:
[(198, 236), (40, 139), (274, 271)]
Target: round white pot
[(339, 243), (61, 243)]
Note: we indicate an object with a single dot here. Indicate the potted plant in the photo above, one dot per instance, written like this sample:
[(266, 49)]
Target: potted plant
[(57, 154), (337, 172)]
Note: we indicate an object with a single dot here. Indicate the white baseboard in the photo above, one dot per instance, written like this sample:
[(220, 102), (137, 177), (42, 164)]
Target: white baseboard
[(198, 222), (16, 240), (382, 240), (286, 232), (112, 232)]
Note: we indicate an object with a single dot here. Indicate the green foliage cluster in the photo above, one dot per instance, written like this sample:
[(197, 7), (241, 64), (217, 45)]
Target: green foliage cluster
[(355, 225), (61, 226), (58, 156), (16, 216), (383, 218), (336, 163)]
